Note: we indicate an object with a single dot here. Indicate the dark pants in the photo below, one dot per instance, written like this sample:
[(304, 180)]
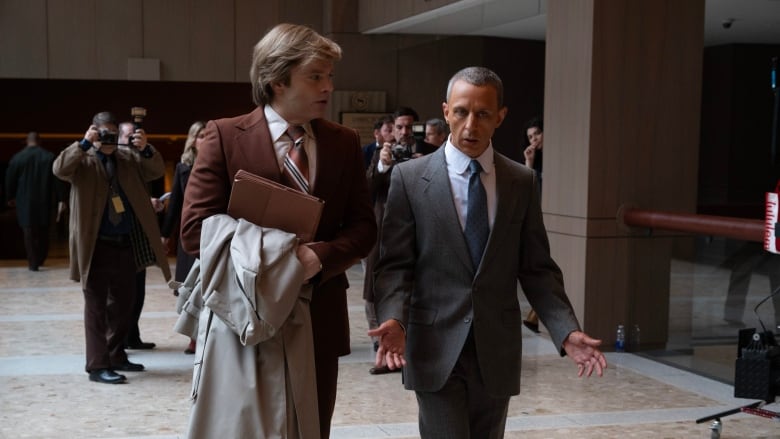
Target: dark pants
[(108, 303), (133, 332), (462, 409), (327, 369), (36, 244)]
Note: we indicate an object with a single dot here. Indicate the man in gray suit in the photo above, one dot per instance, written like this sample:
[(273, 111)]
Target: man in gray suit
[(462, 226)]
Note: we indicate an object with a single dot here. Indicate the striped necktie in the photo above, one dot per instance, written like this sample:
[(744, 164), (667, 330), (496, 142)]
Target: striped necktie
[(296, 162)]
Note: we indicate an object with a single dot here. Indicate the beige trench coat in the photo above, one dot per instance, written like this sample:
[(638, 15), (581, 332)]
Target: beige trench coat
[(89, 194), (254, 371)]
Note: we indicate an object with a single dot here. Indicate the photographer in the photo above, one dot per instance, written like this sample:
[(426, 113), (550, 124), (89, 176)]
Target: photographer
[(405, 147), (113, 234)]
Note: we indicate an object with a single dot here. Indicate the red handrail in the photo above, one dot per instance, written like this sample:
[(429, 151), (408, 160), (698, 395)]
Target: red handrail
[(723, 226)]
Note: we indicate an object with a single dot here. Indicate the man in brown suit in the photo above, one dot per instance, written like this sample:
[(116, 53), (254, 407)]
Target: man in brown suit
[(113, 234), (292, 80)]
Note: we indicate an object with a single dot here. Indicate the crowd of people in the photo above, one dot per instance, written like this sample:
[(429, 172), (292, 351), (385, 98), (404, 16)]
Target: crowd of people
[(445, 225)]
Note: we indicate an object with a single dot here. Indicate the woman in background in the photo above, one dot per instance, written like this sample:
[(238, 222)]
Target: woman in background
[(170, 226)]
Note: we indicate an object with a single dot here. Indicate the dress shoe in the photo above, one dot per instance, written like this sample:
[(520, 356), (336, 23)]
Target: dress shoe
[(382, 370), (106, 376), (140, 345), (127, 366), (534, 327)]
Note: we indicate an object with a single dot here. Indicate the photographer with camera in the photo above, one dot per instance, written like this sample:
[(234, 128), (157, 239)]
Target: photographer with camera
[(114, 233), (131, 134), (406, 146)]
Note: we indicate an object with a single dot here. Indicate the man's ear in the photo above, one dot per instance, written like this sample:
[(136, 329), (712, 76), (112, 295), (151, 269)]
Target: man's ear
[(501, 115), (446, 112)]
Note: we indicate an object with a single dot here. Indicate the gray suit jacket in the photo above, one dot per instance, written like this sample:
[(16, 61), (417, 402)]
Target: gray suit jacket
[(426, 280)]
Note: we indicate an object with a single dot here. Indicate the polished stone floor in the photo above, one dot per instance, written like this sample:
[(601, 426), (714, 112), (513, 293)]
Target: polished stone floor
[(44, 392)]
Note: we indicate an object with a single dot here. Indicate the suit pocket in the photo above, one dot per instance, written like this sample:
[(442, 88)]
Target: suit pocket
[(422, 316)]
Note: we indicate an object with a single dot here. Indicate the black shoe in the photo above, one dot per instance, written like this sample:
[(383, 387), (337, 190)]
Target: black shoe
[(534, 327), (382, 370), (106, 376), (127, 366), (140, 345)]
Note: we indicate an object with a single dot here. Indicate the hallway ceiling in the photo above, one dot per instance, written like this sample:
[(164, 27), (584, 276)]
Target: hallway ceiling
[(753, 21)]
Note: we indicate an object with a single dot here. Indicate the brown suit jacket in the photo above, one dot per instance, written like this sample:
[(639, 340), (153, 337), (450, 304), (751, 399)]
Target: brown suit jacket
[(347, 229)]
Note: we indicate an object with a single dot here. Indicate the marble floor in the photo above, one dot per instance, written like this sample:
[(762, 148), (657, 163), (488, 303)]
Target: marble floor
[(44, 392)]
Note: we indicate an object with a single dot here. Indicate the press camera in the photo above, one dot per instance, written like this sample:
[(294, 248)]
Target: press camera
[(757, 374), (107, 137), (401, 153)]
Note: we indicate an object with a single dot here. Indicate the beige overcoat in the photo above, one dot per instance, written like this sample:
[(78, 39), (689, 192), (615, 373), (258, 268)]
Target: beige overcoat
[(89, 194), (254, 371)]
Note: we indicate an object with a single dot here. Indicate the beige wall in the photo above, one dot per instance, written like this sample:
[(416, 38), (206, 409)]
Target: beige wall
[(194, 40), (622, 91)]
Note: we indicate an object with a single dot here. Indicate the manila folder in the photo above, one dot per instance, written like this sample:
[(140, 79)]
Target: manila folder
[(267, 203)]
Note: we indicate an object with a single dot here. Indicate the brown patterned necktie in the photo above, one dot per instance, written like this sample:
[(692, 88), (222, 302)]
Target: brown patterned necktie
[(296, 162)]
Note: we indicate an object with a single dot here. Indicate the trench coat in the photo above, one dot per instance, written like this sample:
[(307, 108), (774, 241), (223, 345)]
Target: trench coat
[(254, 361)]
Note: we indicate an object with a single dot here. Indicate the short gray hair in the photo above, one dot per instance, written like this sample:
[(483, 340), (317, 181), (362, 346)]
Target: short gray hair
[(479, 76)]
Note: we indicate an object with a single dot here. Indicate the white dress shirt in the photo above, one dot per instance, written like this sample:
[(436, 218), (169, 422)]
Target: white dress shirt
[(459, 174), (282, 142)]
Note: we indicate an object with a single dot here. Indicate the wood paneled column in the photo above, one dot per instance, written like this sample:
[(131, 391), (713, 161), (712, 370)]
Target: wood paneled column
[(622, 106)]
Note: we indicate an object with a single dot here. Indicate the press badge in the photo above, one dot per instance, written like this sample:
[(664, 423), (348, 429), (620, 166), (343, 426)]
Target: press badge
[(119, 207)]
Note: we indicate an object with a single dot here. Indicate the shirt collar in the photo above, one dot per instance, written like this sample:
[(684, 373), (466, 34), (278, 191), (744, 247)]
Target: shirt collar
[(459, 162), (278, 126)]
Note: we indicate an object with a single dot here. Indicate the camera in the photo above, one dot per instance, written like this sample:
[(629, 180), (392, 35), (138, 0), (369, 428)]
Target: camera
[(757, 374), (401, 153), (107, 137)]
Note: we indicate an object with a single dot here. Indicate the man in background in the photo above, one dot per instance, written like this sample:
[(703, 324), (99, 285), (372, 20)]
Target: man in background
[(436, 131), (32, 189), (383, 132), (127, 131), (114, 233)]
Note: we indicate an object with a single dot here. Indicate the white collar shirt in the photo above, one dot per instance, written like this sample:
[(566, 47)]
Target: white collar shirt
[(459, 174)]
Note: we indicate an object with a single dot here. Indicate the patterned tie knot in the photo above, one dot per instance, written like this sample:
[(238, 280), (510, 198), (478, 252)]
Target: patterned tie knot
[(295, 132)]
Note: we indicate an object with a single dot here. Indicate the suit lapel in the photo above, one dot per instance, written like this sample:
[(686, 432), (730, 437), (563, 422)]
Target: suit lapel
[(255, 152), (506, 199), (439, 199)]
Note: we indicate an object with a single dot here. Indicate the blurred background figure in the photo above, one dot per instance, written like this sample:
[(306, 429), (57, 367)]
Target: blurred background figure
[(32, 189), (533, 152), (533, 159), (128, 133), (436, 131), (170, 225), (383, 132)]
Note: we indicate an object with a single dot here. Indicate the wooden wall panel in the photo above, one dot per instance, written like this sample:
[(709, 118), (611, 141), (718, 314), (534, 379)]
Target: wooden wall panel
[(93, 39), (23, 39), (253, 19), (73, 39), (212, 45)]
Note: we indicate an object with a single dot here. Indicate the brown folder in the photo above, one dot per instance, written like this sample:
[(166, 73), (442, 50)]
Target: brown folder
[(267, 203)]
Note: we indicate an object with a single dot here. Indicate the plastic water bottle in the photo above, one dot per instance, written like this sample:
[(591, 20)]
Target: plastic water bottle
[(620, 339)]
